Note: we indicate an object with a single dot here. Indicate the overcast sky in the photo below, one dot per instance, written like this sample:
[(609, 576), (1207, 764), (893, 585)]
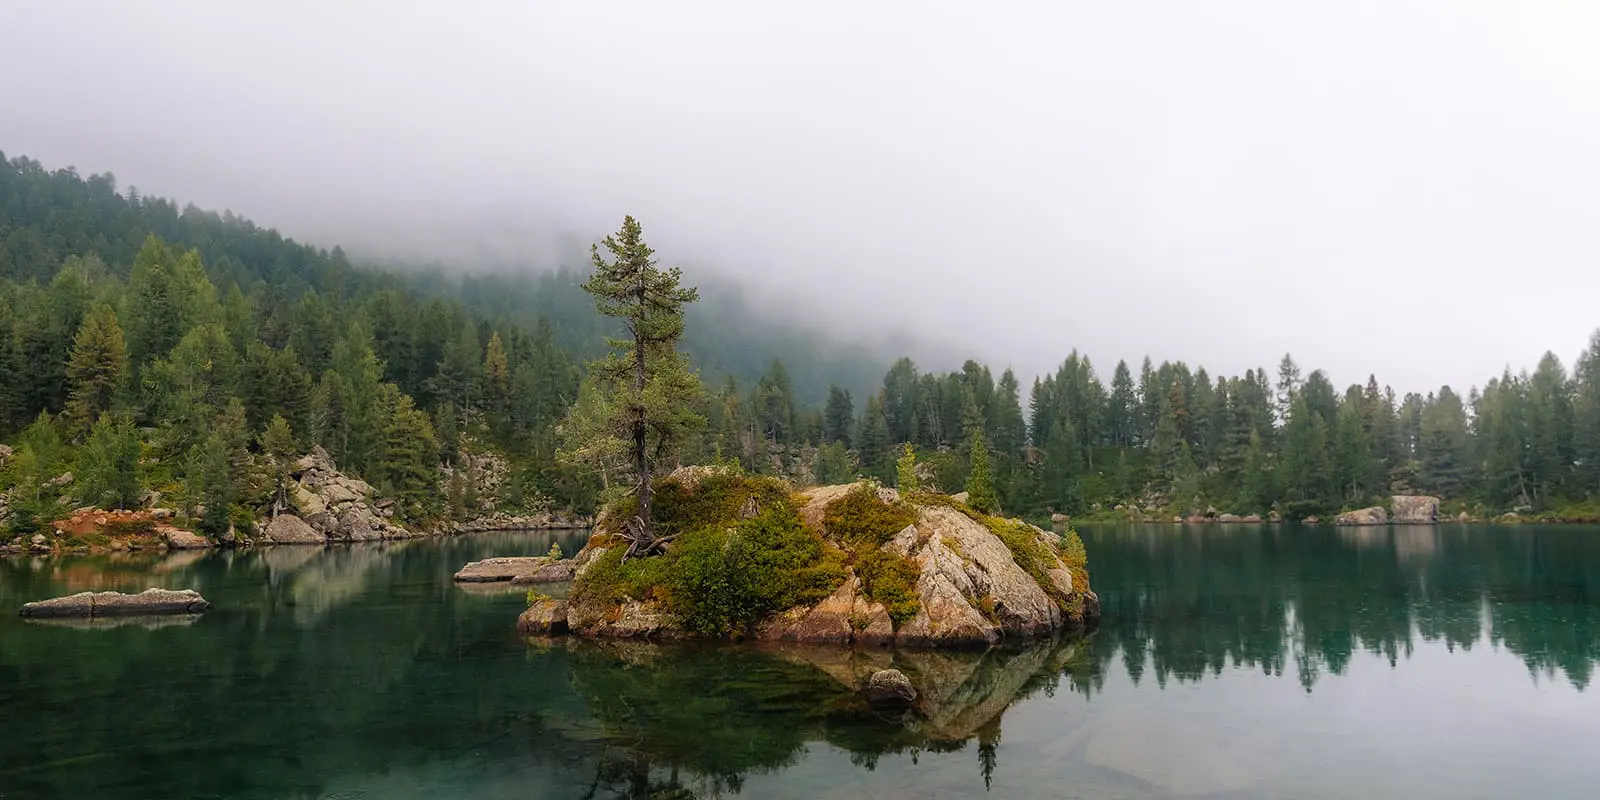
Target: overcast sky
[(1406, 188)]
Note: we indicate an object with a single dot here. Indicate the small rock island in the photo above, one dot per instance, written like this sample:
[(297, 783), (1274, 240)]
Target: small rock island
[(752, 557)]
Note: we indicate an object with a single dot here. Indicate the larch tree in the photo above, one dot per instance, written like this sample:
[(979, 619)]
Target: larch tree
[(649, 391), (980, 484), (905, 469)]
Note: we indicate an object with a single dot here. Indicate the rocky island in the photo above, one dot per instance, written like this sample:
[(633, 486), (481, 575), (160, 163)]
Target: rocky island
[(752, 557)]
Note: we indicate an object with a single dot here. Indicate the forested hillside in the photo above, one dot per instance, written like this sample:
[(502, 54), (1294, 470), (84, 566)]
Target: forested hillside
[(147, 348), (143, 345)]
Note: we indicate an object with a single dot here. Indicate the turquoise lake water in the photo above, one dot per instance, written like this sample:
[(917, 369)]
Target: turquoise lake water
[(1232, 662)]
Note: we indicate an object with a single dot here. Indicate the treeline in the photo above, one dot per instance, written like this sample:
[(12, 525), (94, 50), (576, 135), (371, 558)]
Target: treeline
[(1175, 440), (149, 378), (149, 348)]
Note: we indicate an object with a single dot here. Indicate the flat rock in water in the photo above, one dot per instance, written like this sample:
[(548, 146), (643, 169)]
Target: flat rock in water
[(507, 568), (553, 572), (113, 604)]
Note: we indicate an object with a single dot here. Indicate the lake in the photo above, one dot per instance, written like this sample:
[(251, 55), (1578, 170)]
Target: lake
[(1232, 662)]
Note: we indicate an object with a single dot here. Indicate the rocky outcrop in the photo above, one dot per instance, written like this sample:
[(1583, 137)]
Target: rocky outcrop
[(290, 529), (492, 570), (1364, 516), (339, 507), (972, 589), (889, 687), (841, 618), (1415, 509), (113, 604)]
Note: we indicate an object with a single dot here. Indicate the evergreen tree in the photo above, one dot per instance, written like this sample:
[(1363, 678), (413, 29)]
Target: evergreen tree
[(212, 490), (980, 484), (277, 444), (107, 471), (496, 373), (651, 391), (1288, 387), (875, 440), (839, 417), (97, 369), (905, 470)]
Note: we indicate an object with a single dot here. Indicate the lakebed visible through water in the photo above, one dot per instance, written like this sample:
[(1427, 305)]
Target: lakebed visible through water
[(1231, 662)]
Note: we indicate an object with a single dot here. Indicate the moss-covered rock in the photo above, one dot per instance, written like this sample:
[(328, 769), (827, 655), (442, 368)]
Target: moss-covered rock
[(851, 564)]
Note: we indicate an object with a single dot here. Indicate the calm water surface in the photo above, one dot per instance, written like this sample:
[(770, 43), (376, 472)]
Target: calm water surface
[(1244, 662)]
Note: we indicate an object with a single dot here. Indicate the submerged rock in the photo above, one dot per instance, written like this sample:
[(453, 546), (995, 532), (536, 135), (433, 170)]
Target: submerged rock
[(890, 687), (1415, 509), (111, 604), (1364, 516)]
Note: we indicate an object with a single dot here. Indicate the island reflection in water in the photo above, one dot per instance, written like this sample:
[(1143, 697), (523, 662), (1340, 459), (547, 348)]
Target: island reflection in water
[(1249, 661)]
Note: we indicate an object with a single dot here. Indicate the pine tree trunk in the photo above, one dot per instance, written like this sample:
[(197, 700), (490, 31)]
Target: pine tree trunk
[(640, 461)]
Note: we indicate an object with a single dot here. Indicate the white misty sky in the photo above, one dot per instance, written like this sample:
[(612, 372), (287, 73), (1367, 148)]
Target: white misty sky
[(1400, 187)]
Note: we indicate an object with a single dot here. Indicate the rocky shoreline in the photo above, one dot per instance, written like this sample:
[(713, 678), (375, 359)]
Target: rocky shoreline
[(325, 507)]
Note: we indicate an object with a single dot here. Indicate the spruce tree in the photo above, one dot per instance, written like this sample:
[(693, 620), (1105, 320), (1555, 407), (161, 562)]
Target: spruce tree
[(839, 417), (649, 389), (97, 369), (107, 472), (875, 441)]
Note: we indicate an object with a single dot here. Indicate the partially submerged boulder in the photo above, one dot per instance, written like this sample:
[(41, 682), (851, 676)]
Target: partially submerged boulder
[(492, 570), (179, 539), (1415, 509), (112, 604), (545, 617), (1364, 516), (889, 687)]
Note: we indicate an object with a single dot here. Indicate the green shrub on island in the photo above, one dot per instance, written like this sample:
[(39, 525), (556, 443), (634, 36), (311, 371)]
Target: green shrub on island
[(861, 517), (742, 554)]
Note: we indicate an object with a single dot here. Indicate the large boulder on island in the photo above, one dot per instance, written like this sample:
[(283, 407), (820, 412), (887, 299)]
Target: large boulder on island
[(114, 604), (1415, 509), (1364, 516), (751, 558)]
